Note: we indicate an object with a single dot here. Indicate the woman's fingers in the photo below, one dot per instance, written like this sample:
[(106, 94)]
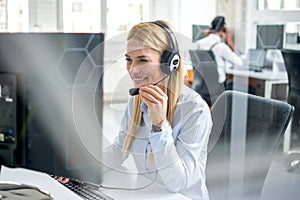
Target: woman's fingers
[(152, 94), (61, 179), (156, 101)]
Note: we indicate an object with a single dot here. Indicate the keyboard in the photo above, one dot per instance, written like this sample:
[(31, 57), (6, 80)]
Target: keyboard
[(85, 191)]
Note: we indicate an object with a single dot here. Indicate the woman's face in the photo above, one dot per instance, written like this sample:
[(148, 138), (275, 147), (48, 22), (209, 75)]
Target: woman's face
[(143, 64)]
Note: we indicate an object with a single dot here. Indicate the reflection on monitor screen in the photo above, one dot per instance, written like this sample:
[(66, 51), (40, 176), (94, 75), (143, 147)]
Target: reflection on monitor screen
[(59, 101), (270, 36), (256, 57)]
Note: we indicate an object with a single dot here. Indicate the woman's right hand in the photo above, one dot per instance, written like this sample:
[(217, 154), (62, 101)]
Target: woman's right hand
[(156, 101)]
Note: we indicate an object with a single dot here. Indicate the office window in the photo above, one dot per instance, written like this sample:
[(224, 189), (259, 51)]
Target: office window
[(292, 35), (122, 15), (45, 17), (81, 16), (50, 16), (76, 7), (12, 15), (3, 24), (278, 4)]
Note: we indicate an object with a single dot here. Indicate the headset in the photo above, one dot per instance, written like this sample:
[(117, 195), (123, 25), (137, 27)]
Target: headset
[(170, 58)]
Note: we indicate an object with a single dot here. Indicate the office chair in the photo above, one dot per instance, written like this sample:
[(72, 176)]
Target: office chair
[(292, 65), (206, 78), (245, 134)]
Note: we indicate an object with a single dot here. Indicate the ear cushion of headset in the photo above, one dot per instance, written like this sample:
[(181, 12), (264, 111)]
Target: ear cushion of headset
[(166, 60)]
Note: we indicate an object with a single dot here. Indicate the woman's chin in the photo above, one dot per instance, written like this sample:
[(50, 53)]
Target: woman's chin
[(138, 85)]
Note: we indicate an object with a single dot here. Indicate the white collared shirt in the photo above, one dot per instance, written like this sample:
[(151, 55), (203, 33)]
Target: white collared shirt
[(179, 151), (224, 55)]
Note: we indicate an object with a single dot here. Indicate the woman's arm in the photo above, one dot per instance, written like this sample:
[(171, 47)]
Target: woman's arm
[(181, 163)]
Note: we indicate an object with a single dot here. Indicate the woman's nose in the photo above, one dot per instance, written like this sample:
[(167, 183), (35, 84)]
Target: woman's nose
[(132, 66)]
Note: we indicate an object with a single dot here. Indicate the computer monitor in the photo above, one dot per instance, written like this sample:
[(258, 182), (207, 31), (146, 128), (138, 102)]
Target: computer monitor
[(256, 57), (198, 31), (59, 84), (270, 36)]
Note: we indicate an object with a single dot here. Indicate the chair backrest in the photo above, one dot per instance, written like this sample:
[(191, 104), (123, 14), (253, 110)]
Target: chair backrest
[(245, 134), (292, 64), (206, 78)]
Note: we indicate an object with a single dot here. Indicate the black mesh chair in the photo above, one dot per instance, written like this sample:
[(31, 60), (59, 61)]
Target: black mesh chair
[(292, 65), (206, 78), (244, 137)]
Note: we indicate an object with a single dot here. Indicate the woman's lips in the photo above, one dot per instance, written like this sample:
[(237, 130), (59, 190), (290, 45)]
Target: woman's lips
[(139, 80)]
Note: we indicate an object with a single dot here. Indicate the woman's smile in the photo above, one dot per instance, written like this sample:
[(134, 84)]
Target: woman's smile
[(139, 80)]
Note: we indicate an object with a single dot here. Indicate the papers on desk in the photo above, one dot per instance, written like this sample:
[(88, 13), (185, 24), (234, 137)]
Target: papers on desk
[(38, 179)]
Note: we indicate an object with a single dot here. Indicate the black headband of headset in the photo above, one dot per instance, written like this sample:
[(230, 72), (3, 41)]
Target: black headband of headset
[(170, 33)]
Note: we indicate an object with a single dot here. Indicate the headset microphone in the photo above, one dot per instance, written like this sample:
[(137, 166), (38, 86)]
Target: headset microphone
[(135, 91)]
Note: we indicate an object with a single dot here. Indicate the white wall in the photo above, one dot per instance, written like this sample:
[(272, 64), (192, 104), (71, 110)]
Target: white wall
[(183, 13)]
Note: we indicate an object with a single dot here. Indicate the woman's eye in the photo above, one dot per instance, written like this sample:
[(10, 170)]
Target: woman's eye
[(128, 60), (143, 60)]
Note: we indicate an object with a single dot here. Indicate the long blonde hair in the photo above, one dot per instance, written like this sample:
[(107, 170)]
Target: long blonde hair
[(157, 38)]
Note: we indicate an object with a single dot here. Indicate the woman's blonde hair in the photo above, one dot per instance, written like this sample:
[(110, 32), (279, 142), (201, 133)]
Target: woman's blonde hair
[(157, 38)]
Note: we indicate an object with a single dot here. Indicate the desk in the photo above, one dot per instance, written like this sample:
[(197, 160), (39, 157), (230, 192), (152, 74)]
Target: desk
[(263, 81), (133, 180)]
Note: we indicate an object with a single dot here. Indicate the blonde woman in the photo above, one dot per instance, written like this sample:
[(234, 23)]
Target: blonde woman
[(166, 125)]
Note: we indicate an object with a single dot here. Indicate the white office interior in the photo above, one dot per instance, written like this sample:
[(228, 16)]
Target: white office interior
[(241, 16), (114, 18)]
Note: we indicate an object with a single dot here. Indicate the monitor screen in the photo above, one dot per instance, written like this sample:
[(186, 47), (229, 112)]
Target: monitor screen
[(256, 57), (198, 31), (59, 89), (269, 36)]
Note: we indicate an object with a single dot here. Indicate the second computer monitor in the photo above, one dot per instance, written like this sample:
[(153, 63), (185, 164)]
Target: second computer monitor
[(270, 36), (199, 31)]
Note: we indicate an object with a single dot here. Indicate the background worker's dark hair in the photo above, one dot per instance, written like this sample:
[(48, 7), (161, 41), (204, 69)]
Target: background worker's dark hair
[(218, 24)]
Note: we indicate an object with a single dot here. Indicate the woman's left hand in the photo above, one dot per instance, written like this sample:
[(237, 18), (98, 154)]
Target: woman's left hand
[(61, 179), (156, 101)]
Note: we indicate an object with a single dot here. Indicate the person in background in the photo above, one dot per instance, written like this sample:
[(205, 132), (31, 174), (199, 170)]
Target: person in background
[(166, 125), (219, 39)]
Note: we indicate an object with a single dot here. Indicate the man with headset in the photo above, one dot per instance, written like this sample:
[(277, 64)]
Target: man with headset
[(220, 42)]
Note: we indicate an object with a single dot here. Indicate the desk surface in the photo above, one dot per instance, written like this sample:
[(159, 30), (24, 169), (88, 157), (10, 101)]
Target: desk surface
[(267, 75), (120, 179)]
